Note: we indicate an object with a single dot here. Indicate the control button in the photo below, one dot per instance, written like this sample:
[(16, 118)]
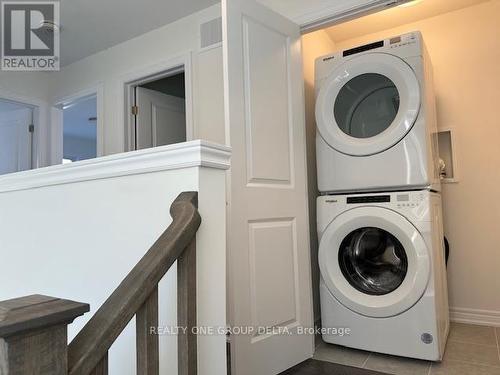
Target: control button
[(395, 40)]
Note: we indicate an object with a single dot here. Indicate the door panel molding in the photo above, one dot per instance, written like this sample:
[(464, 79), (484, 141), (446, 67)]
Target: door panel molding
[(274, 242), (269, 129)]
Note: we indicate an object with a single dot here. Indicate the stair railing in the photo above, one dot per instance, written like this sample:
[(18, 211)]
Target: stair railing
[(33, 329)]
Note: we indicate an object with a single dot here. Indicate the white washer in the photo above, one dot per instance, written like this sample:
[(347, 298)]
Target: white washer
[(376, 118), (383, 273)]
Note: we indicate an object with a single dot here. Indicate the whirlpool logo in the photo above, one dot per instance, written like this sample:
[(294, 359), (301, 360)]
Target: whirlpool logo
[(30, 35)]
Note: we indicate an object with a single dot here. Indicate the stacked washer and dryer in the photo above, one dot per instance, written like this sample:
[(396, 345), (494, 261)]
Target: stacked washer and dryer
[(381, 254)]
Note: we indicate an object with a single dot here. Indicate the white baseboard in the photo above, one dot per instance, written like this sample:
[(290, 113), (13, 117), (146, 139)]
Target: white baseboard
[(474, 316)]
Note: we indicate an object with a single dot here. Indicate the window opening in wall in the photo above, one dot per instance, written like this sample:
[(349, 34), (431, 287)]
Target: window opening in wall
[(80, 129)]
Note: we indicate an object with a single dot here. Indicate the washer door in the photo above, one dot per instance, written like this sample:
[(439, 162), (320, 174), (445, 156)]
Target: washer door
[(368, 104), (374, 261)]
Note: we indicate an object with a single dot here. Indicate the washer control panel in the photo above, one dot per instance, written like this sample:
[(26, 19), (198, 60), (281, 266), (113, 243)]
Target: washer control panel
[(396, 200), (404, 200), (414, 205)]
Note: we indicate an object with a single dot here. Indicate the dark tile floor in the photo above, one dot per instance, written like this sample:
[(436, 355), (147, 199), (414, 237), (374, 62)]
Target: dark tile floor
[(314, 367), (471, 350)]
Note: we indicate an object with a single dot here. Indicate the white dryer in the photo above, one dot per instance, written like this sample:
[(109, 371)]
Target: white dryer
[(376, 118), (383, 273)]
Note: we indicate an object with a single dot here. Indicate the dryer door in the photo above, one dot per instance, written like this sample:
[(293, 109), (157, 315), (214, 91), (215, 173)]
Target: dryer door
[(374, 261), (368, 104)]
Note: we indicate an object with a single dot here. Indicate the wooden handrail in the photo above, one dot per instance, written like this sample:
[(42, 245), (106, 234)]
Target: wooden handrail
[(137, 294)]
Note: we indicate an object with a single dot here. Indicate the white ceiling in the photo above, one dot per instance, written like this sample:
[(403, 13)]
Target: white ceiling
[(90, 26), (395, 17), (301, 10)]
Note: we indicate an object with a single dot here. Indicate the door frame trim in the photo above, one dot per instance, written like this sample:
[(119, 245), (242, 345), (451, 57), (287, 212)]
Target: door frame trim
[(165, 68)]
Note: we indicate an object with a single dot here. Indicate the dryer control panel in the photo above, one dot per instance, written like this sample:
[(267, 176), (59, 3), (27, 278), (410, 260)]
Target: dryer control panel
[(403, 40), (402, 46)]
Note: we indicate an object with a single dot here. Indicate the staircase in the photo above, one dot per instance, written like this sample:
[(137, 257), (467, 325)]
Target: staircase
[(99, 231), (33, 329)]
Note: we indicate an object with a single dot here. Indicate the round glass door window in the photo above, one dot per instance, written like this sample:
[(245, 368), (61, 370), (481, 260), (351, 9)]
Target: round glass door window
[(366, 105), (373, 261)]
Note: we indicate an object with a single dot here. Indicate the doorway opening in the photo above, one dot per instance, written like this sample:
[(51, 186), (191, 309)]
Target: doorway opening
[(80, 129), (158, 110), (16, 136)]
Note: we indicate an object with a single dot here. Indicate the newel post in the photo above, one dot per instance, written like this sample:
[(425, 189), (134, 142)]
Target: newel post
[(33, 334)]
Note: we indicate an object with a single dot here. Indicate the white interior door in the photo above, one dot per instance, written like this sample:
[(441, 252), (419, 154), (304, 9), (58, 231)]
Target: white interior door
[(160, 119), (15, 141), (269, 256)]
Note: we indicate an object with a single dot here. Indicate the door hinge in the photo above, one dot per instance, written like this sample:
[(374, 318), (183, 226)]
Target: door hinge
[(31, 128), (135, 110)]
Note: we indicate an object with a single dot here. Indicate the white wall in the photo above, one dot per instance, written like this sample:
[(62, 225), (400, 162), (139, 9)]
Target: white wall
[(111, 67), (25, 84), (465, 50), (85, 226), (209, 91), (313, 45)]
